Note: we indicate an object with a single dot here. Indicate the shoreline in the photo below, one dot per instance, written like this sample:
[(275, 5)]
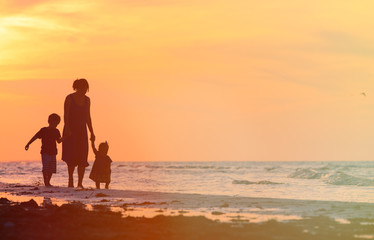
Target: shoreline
[(27, 220), (36, 212), (214, 207)]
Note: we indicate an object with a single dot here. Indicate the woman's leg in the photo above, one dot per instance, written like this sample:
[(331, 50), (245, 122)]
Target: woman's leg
[(107, 185), (45, 178), (97, 185), (49, 176), (80, 175), (71, 171)]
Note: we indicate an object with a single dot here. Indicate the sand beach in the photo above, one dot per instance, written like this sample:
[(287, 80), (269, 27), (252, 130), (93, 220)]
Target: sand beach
[(38, 212)]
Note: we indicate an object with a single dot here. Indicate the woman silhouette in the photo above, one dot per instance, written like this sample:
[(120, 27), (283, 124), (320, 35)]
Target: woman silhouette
[(77, 118)]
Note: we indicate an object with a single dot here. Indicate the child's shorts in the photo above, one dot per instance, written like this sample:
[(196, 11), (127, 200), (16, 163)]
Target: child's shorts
[(49, 163)]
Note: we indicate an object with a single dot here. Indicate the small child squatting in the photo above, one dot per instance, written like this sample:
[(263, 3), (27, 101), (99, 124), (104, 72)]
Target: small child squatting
[(49, 135), (100, 172)]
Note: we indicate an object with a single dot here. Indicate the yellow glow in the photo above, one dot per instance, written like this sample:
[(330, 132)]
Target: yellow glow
[(197, 80)]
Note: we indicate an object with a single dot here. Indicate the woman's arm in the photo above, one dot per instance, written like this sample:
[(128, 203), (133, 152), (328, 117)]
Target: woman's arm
[(67, 104), (94, 148), (89, 122)]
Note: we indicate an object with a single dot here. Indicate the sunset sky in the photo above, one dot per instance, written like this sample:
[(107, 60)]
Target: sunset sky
[(194, 80)]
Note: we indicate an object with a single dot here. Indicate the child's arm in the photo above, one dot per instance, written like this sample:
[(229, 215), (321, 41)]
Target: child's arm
[(93, 147), (36, 136), (59, 138)]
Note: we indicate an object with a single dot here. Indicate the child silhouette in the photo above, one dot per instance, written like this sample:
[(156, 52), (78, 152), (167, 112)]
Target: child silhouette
[(100, 172), (49, 135)]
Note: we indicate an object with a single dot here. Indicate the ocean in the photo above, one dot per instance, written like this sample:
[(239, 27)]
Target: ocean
[(329, 181)]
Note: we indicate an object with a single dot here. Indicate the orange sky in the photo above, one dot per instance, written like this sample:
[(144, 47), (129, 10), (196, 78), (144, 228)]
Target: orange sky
[(194, 80)]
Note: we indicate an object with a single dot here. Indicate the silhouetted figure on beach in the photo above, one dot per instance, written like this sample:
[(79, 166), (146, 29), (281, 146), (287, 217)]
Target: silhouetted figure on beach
[(77, 118), (49, 135), (100, 172)]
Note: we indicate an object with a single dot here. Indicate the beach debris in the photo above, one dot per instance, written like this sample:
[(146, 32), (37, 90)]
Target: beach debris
[(4, 201), (73, 206), (138, 204), (101, 195), (35, 188), (20, 186), (100, 207), (104, 200), (24, 193), (47, 201), (238, 219), (363, 94), (182, 211), (38, 183), (29, 204), (217, 213), (224, 205), (146, 203)]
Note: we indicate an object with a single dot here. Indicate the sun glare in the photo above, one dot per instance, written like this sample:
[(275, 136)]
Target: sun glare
[(15, 22)]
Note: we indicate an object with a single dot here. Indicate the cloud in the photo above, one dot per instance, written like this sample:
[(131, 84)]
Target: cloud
[(346, 43), (156, 3), (33, 23)]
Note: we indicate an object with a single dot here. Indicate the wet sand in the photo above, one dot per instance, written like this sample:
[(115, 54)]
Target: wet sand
[(65, 213)]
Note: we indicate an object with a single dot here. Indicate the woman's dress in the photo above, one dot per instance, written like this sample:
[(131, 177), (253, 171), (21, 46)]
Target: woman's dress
[(75, 146)]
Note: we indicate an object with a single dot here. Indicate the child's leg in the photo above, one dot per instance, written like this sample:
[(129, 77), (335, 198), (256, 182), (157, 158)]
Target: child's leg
[(97, 185), (107, 185), (46, 168)]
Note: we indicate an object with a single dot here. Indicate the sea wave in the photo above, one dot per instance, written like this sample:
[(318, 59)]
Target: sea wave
[(340, 178), (308, 173), (245, 182), (175, 167), (153, 166), (197, 167), (270, 169)]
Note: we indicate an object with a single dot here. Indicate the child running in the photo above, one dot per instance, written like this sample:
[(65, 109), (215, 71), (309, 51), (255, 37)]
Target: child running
[(49, 135), (100, 172)]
